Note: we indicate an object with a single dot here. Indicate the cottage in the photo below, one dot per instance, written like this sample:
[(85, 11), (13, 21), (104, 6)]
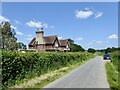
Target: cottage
[(48, 43)]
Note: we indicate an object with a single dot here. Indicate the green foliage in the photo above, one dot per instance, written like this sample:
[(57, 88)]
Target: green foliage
[(108, 50), (17, 66), (91, 50), (21, 45), (115, 56), (7, 37), (71, 41), (113, 70), (75, 47)]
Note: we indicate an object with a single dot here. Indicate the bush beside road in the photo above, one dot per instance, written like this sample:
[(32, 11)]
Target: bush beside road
[(18, 67), (113, 70)]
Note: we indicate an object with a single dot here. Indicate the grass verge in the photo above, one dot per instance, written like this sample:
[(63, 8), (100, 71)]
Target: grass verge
[(59, 74), (112, 76), (39, 82)]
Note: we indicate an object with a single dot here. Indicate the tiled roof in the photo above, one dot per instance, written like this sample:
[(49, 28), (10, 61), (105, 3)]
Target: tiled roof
[(47, 40), (63, 42), (33, 41)]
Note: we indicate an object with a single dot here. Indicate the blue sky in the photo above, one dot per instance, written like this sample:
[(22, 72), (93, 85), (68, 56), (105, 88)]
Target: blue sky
[(90, 24)]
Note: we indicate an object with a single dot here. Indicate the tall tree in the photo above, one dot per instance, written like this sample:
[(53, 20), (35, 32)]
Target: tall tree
[(70, 41), (75, 47), (7, 38)]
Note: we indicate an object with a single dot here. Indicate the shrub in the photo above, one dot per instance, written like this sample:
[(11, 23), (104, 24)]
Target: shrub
[(17, 66), (113, 70)]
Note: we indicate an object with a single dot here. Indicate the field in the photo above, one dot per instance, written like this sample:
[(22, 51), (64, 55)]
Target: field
[(18, 67)]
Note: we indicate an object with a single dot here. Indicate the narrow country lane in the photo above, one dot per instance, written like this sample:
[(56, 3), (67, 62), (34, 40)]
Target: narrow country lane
[(90, 75)]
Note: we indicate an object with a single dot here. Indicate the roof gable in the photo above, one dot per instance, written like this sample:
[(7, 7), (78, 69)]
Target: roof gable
[(32, 41), (63, 42), (47, 40)]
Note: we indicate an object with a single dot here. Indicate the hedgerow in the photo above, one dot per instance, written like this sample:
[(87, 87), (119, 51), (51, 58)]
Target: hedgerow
[(17, 66), (115, 56), (113, 70)]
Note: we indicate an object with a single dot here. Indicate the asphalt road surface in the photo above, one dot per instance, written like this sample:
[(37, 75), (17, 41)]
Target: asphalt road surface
[(92, 74)]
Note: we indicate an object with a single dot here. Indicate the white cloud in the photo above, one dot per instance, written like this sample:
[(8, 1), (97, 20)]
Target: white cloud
[(90, 43), (106, 41), (83, 14), (13, 27), (35, 24), (94, 42), (3, 19), (99, 42), (86, 8), (98, 14), (45, 25), (18, 40), (29, 35), (114, 36), (17, 22), (19, 33), (29, 38), (51, 26), (60, 38), (79, 39)]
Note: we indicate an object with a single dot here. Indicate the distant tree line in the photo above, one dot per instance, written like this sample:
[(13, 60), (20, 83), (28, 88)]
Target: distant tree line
[(108, 50), (91, 50), (76, 48)]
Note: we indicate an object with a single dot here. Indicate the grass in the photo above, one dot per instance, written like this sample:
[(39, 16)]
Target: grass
[(112, 76), (50, 78), (53, 78)]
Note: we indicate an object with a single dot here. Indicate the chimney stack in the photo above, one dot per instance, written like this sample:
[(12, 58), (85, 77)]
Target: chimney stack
[(39, 36)]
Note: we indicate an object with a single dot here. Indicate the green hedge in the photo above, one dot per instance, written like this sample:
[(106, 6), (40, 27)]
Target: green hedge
[(17, 66), (113, 70), (115, 56)]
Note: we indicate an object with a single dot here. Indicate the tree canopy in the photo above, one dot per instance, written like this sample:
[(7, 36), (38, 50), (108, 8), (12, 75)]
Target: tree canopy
[(8, 41), (21, 45), (75, 47), (91, 50), (108, 50)]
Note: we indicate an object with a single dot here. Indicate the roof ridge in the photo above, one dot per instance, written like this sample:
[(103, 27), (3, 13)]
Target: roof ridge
[(51, 36), (62, 39)]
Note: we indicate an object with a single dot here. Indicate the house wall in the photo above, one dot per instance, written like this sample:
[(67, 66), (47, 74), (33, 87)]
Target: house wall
[(49, 47), (32, 47), (64, 48), (61, 49), (40, 48)]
